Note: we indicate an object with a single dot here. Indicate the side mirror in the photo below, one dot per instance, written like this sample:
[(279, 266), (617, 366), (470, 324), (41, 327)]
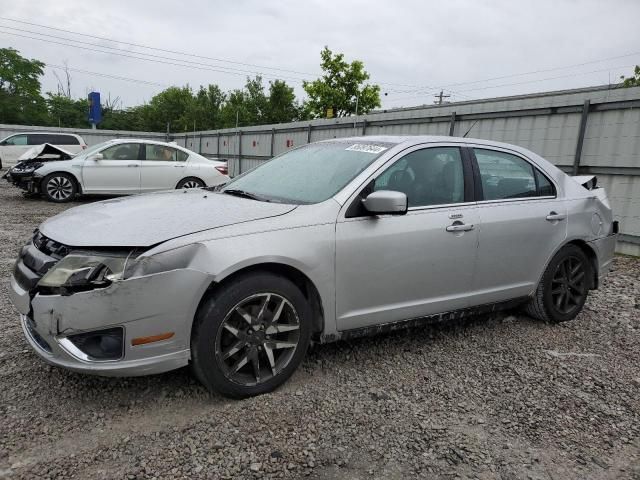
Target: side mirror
[(386, 202), (96, 157)]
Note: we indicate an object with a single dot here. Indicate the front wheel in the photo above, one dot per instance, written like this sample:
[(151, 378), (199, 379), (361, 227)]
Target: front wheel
[(564, 287), (251, 335), (59, 187)]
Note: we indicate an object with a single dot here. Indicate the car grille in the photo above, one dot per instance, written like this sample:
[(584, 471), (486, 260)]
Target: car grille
[(36, 259)]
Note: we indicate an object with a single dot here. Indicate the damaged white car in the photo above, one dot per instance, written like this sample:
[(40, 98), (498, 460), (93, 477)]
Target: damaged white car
[(331, 240)]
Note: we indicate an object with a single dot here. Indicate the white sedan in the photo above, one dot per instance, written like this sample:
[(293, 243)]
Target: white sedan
[(120, 167)]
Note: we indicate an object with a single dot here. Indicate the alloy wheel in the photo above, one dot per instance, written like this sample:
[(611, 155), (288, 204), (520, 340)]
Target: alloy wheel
[(569, 285), (257, 339), (59, 188), (191, 184)]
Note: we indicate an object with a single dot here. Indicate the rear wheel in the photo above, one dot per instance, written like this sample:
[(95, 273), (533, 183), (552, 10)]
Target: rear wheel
[(190, 182), (250, 336), (59, 187), (564, 287)]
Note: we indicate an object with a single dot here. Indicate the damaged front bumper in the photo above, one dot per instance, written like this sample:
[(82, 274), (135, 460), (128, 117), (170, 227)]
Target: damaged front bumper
[(27, 181), (140, 307)]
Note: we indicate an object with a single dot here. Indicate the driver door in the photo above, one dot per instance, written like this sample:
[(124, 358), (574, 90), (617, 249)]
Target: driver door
[(397, 267), (118, 172)]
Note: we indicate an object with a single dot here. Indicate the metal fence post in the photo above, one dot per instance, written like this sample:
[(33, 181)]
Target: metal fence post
[(273, 137), (364, 127), (309, 134), (200, 143), (581, 132), (240, 150), (452, 123), (218, 144)]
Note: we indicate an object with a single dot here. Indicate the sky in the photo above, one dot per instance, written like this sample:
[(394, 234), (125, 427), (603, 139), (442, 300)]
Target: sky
[(413, 49)]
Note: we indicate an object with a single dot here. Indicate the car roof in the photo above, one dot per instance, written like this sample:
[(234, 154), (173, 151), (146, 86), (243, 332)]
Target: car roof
[(46, 133), (410, 140), (150, 142)]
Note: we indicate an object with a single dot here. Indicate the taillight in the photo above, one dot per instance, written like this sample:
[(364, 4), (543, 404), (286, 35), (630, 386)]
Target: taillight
[(222, 169)]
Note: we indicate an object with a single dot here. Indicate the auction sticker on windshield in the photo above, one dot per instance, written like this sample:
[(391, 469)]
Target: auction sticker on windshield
[(361, 147)]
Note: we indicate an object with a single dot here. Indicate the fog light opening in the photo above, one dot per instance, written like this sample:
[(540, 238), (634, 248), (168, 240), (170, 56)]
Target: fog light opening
[(98, 345)]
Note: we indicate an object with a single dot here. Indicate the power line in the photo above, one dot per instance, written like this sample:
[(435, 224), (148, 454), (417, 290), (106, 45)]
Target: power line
[(99, 74), (175, 52), (196, 67), (526, 82), (117, 51)]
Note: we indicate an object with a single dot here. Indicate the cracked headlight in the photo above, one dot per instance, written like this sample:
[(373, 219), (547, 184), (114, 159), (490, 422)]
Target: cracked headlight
[(78, 272), (26, 167)]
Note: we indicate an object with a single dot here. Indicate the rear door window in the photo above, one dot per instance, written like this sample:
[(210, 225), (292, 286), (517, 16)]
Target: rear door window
[(164, 154), (505, 176)]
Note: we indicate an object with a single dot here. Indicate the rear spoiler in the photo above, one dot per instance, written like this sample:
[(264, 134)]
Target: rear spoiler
[(590, 182)]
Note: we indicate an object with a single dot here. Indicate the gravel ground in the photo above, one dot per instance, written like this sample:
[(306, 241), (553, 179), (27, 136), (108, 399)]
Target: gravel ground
[(501, 397)]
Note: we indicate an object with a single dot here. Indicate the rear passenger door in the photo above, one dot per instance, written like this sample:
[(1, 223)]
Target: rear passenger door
[(522, 222), (162, 167)]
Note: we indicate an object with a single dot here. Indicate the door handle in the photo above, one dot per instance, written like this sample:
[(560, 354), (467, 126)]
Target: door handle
[(134, 165), (554, 217), (178, 166), (459, 227)]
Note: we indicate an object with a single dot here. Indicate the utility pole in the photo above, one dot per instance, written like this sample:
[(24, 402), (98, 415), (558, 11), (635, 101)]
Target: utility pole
[(439, 98), (355, 119)]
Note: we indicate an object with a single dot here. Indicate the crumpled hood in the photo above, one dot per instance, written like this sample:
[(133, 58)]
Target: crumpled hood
[(145, 220)]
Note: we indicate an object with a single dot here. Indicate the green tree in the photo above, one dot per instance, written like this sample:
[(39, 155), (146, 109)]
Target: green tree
[(633, 81), (207, 107), (20, 98), (341, 87), (282, 105), (174, 106), (66, 112)]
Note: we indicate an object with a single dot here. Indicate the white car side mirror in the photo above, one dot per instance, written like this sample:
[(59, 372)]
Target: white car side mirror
[(96, 157)]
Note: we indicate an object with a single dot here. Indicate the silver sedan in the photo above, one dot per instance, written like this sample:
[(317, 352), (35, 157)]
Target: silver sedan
[(330, 240)]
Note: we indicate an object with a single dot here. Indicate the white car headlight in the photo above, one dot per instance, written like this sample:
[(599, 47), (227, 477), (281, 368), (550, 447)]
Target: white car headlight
[(78, 272)]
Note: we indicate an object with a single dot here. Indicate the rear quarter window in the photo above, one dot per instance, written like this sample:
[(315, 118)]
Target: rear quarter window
[(65, 140)]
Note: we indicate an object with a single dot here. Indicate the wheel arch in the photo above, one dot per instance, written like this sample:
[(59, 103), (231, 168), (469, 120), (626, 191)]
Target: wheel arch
[(296, 276), (189, 177), (71, 174), (591, 255), (587, 250)]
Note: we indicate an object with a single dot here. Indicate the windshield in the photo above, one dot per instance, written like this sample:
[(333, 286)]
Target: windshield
[(309, 174), (95, 148)]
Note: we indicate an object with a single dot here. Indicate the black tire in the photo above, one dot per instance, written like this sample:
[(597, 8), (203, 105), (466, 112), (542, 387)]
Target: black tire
[(59, 187), (563, 288), (220, 329), (190, 182)]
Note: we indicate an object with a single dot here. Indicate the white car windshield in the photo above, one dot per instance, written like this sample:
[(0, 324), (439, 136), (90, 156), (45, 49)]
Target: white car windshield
[(309, 174), (97, 147)]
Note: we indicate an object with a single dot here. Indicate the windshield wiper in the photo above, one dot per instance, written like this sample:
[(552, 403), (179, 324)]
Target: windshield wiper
[(243, 194)]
